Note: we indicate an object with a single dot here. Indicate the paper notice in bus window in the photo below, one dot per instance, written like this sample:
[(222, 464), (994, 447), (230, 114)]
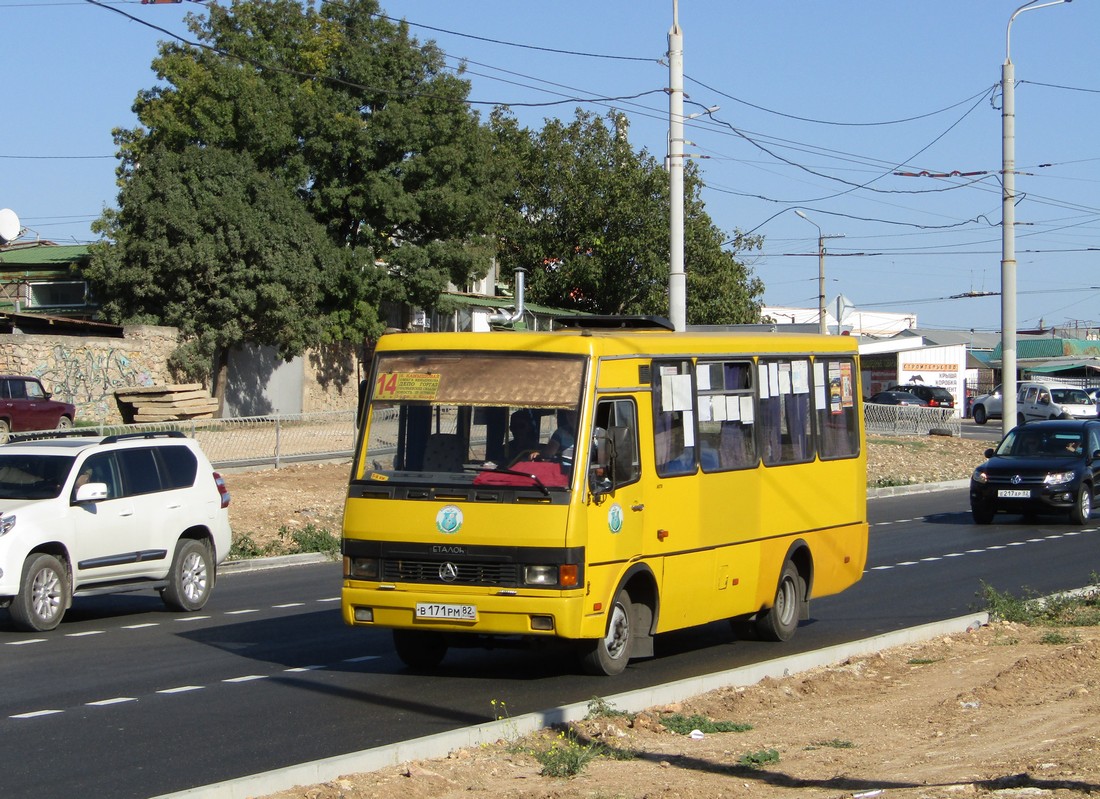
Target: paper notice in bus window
[(675, 393), (819, 385), (746, 410), (773, 379), (784, 379), (763, 381), (733, 408), (406, 386), (847, 387), (841, 394), (800, 377)]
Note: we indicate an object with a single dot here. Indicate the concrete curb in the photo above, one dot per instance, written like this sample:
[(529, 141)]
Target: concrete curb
[(916, 488), (275, 562), (437, 746)]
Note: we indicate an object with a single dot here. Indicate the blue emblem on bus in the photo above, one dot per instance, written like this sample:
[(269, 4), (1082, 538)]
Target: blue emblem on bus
[(449, 519), (615, 518)]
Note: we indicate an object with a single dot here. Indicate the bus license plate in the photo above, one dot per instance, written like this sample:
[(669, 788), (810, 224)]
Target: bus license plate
[(1014, 493), (435, 610)]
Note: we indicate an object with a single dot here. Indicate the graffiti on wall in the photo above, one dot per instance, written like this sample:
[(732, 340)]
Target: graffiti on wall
[(88, 377)]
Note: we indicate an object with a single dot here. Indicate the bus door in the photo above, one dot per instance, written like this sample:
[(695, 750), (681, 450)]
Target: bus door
[(615, 504)]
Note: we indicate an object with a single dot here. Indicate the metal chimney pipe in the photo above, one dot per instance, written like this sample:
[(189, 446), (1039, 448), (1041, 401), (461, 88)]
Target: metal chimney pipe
[(502, 318)]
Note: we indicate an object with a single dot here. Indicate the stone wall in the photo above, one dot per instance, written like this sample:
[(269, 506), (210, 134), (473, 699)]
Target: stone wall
[(86, 370), (331, 376)]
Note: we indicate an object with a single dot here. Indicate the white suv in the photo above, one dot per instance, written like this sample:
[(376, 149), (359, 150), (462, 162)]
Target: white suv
[(81, 515)]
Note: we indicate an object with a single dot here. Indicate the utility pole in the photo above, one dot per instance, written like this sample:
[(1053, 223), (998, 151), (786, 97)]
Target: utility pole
[(1008, 222), (822, 325), (677, 281)]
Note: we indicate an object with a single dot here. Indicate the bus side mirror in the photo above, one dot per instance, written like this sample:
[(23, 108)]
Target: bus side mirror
[(601, 467), (359, 406)]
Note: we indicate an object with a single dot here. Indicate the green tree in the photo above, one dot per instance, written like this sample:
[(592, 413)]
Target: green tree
[(588, 217), (229, 256), (336, 110)]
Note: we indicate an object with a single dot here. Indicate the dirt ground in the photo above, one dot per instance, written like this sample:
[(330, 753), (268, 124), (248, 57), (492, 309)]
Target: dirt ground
[(993, 712), (1000, 711)]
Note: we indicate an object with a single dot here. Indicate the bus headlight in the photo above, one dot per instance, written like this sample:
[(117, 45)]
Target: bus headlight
[(6, 523), (361, 568), (562, 576), (540, 575)]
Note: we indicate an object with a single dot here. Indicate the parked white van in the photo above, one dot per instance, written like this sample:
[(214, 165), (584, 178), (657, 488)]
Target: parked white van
[(1035, 401)]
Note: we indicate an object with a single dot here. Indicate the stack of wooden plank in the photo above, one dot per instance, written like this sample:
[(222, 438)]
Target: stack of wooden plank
[(165, 403)]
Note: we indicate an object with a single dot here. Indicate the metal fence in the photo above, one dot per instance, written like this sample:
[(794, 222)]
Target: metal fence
[(259, 440), (279, 440), (911, 420)]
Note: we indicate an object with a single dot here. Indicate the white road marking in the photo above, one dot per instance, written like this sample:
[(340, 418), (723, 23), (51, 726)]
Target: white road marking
[(118, 700), (247, 678), (181, 689), (35, 714)]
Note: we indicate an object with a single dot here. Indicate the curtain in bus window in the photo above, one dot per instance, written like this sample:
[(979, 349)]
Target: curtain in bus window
[(785, 411), (724, 404)]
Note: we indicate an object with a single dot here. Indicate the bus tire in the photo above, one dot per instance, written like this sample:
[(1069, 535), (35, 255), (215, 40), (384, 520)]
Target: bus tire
[(420, 650), (779, 622), (609, 655)]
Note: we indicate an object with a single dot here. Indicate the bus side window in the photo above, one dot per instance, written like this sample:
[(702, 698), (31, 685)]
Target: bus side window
[(835, 407), (617, 444)]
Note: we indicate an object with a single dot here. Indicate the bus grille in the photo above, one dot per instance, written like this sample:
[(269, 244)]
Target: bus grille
[(429, 571)]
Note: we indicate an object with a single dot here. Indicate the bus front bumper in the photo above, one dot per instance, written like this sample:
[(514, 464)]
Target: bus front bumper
[(560, 614)]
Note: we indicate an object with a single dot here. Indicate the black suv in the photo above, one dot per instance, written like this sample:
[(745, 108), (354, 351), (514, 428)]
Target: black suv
[(935, 396), (1050, 466)]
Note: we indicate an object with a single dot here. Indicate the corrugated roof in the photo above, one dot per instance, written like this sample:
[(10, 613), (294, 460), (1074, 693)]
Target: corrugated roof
[(42, 255)]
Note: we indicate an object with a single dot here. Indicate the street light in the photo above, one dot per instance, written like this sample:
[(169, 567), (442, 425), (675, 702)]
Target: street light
[(822, 323), (1008, 222)]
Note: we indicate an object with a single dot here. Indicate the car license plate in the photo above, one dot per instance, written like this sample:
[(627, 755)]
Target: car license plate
[(1014, 493), (436, 610)]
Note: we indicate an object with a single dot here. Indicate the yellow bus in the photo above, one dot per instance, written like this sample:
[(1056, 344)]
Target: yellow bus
[(602, 483)]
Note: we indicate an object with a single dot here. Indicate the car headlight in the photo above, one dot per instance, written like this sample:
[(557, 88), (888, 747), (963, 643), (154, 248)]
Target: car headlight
[(6, 523), (1057, 478), (979, 476)]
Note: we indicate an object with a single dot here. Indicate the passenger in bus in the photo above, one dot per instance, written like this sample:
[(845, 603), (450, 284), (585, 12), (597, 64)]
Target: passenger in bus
[(525, 436)]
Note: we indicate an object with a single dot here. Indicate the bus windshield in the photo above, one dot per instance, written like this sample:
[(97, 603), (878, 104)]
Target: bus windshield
[(448, 417)]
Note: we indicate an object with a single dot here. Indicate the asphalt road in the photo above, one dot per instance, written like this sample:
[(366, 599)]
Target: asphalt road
[(127, 699)]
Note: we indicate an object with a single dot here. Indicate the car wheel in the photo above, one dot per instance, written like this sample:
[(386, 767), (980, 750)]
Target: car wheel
[(982, 514), (43, 594), (1082, 508), (64, 423), (609, 655), (192, 576), (980, 415), (5, 431), (420, 650), (779, 622)]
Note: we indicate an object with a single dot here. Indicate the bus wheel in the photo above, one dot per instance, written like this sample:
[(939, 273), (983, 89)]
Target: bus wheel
[(610, 654), (779, 622), (420, 650)]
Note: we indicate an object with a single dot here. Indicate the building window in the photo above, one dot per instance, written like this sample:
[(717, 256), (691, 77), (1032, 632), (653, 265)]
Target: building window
[(69, 294)]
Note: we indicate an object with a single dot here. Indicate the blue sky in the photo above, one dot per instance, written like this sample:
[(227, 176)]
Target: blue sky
[(819, 105)]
